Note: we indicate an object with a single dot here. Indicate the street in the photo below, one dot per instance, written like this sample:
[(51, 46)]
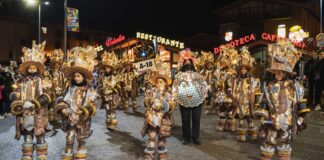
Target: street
[(126, 141)]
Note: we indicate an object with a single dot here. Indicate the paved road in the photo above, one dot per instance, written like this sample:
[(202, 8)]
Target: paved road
[(127, 143)]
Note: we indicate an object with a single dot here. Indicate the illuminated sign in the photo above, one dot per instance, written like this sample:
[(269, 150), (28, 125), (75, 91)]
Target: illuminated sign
[(252, 37), (160, 40), (112, 41), (144, 65), (228, 36), (275, 38), (238, 42)]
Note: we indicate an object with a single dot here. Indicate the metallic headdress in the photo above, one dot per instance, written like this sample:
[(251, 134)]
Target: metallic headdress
[(56, 56), (109, 59), (34, 56), (186, 54), (208, 57), (81, 60), (284, 56), (228, 57), (245, 58), (160, 70)]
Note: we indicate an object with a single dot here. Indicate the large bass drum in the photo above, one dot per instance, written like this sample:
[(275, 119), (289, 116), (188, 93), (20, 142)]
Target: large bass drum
[(190, 89)]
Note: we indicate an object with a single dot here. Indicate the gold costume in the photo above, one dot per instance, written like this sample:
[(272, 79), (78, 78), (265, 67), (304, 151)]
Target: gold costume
[(56, 78), (30, 104), (79, 103), (207, 67), (158, 122), (245, 90), (108, 88), (223, 100), (129, 82), (282, 106)]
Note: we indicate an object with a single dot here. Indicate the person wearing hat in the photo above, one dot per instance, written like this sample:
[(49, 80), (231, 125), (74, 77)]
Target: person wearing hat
[(78, 104), (129, 85), (283, 106), (158, 122), (30, 103), (108, 88), (223, 100), (207, 72), (246, 90), (189, 90), (54, 78)]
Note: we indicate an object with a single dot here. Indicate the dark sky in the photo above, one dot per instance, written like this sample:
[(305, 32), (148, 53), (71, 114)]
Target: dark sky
[(172, 18)]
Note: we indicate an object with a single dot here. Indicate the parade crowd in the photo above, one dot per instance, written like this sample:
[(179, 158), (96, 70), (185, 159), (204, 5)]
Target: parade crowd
[(52, 86)]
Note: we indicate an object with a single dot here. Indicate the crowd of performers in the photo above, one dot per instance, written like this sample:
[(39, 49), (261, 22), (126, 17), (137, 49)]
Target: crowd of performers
[(64, 92)]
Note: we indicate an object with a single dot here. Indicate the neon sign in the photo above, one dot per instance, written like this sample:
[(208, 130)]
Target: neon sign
[(252, 37), (238, 42), (275, 38), (161, 40), (113, 41)]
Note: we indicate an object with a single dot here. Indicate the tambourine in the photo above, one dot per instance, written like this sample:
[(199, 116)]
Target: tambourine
[(16, 107), (92, 109), (84, 113)]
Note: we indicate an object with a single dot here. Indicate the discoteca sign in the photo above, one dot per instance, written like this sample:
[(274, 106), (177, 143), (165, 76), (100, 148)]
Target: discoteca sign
[(160, 40)]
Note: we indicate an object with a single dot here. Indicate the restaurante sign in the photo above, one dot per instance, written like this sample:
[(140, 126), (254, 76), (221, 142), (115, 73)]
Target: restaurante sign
[(161, 40)]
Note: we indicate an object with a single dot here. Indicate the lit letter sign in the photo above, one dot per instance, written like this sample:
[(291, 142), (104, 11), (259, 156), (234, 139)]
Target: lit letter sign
[(252, 37), (161, 40), (112, 41)]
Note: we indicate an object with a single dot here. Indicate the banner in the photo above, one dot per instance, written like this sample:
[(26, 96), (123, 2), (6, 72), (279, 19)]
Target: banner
[(72, 19)]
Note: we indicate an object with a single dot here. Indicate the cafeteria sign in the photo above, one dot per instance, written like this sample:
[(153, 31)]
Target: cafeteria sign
[(72, 19), (160, 40)]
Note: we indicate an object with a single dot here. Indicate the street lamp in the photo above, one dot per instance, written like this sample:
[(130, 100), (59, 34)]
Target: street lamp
[(33, 3)]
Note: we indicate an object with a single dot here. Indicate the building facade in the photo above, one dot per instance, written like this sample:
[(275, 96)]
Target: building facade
[(16, 33), (261, 19)]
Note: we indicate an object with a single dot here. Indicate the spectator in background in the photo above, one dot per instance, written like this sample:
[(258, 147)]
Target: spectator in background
[(310, 69), (1, 97), (319, 80), (7, 89)]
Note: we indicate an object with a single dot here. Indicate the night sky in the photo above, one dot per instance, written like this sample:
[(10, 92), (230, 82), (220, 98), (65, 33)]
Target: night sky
[(171, 18), (175, 19)]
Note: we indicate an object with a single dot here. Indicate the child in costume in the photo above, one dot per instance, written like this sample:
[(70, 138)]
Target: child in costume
[(30, 103), (78, 105), (282, 106)]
